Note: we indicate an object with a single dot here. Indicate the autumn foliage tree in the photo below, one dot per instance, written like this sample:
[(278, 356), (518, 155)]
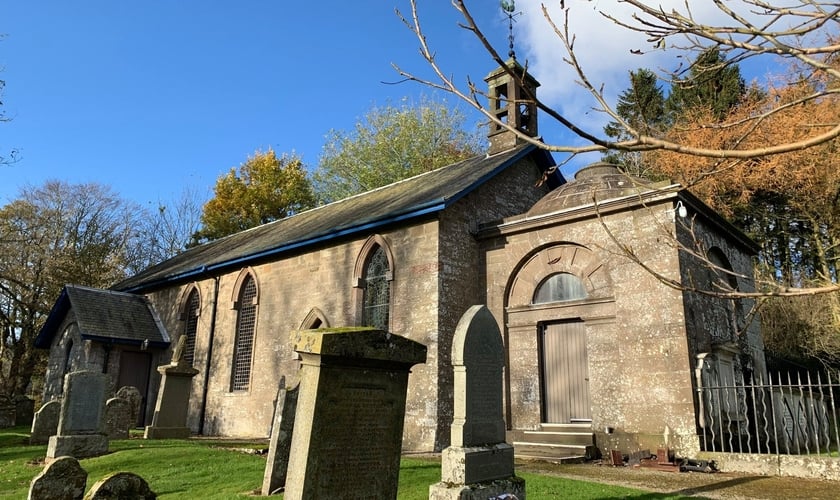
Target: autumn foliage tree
[(263, 189)]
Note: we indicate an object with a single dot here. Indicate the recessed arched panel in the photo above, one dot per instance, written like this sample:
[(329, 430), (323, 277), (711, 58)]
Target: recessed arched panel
[(562, 258)]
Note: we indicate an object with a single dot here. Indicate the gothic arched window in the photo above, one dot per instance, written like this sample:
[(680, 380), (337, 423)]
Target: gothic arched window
[(243, 348), (377, 291), (192, 310)]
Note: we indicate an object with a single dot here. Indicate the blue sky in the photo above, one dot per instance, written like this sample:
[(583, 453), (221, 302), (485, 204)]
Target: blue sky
[(156, 96), (151, 96)]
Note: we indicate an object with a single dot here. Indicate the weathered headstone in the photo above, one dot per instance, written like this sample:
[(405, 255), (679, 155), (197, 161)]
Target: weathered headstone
[(173, 402), (81, 424), (7, 412), (24, 410), (280, 443), (348, 427), (479, 463), (121, 485), (45, 423), (62, 479), (118, 418), (133, 396)]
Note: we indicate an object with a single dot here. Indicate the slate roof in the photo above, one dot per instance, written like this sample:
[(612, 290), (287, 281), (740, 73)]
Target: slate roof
[(411, 198), (105, 316)]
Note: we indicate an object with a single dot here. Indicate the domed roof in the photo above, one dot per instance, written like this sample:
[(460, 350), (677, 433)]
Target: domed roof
[(598, 181)]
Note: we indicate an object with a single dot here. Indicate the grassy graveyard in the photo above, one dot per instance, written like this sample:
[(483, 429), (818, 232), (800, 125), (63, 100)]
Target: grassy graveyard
[(224, 469)]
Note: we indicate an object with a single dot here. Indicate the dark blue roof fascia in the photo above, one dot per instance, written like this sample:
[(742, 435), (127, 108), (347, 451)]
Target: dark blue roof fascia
[(54, 319), (430, 207)]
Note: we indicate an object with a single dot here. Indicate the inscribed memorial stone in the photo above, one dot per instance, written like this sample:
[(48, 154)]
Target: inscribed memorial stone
[(81, 425), (479, 463), (348, 427)]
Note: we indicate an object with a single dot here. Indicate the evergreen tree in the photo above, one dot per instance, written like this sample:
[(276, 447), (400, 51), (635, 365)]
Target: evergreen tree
[(642, 107), (711, 83)]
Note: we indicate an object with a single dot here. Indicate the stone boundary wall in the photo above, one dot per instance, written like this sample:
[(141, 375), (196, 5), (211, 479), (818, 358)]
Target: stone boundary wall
[(804, 466)]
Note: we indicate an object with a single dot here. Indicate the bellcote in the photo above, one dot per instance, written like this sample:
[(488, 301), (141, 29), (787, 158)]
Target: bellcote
[(511, 91)]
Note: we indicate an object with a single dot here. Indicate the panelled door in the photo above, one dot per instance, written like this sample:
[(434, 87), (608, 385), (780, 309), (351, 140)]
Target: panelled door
[(135, 368), (565, 372)]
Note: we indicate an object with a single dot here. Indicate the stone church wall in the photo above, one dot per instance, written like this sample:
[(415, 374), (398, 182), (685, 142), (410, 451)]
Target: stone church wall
[(635, 330)]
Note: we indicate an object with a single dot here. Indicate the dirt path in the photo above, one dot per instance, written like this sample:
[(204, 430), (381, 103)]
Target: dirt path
[(716, 485)]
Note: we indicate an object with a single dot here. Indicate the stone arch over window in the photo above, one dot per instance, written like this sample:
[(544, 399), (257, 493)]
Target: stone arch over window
[(372, 278), (315, 319), (190, 311), (246, 300), (722, 279), (591, 279), (725, 274)]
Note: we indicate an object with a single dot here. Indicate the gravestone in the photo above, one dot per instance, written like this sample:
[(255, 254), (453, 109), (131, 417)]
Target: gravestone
[(81, 424), (173, 402), (280, 443), (118, 418), (24, 410), (479, 463), (45, 423), (121, 485), (348, 428), (7, 412), (62, 479), (135, 399)]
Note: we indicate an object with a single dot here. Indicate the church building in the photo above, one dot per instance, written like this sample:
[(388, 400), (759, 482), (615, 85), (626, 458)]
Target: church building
[(603, 345)]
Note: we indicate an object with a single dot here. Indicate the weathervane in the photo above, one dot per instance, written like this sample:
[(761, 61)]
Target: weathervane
[(509, 8)]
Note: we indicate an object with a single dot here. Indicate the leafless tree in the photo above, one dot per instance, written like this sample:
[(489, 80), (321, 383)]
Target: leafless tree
[(800, 32)]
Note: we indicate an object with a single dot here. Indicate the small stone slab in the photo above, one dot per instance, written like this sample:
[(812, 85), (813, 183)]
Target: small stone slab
[(280, 443), (121, 485), (118, 418), (63, 479), (135, 399), (45, 423)]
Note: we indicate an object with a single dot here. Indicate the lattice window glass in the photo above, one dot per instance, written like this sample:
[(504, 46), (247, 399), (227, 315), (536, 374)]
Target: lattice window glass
[(377, 295), (560, 287), (244, 345), (191, 326)]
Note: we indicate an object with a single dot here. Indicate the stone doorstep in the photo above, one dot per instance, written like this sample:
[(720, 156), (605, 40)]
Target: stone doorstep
[(549, 451), (567, 438)]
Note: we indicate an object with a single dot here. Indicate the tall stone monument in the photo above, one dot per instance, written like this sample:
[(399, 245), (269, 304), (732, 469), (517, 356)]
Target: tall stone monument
[(347, 437), (173, 402), (81, 423), (479, 463)]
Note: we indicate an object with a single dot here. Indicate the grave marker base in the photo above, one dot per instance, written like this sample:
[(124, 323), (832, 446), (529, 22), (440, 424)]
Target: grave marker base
[(77, 446)]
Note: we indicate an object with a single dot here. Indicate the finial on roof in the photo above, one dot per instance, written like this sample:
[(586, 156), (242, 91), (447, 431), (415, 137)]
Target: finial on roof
[(509, 8)]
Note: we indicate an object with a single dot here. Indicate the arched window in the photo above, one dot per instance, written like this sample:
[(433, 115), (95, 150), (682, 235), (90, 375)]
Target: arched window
[(191, 324), (243, 347), (559, 287), (377, 291)]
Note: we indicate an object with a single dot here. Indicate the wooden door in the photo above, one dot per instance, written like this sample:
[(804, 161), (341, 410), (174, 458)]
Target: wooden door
[(135, 368), (565, 373)]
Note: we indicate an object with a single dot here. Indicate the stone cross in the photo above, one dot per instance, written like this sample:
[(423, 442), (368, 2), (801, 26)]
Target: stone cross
[(479, 463)]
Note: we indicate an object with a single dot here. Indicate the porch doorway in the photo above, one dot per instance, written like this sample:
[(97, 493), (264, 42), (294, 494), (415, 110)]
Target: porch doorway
[(135, 368), (564, 373)]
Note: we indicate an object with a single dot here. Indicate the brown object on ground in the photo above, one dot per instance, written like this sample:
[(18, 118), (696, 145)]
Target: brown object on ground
[(727, 485)]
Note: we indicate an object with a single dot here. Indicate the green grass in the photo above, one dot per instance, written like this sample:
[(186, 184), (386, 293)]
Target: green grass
[(208, 469)]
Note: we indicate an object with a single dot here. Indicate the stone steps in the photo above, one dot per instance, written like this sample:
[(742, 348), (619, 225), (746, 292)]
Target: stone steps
[(556, 442)]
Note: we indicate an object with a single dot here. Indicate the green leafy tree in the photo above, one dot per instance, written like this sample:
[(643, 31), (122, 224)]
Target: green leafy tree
[(51, 236), (263, 189), (392, 143)]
